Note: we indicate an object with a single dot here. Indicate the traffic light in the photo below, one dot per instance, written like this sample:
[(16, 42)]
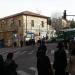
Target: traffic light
[(64, 15)]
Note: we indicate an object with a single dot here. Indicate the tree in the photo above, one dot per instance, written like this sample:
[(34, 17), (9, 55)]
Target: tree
[(56, 21), (72, 24)]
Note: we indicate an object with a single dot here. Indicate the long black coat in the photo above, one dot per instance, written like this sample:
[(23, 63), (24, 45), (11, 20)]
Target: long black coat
[(44, 66), (60, 62), (41, 47), (2, 68), (10, 67)]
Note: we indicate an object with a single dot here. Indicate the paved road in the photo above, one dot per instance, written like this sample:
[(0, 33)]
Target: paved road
[(25, 57)]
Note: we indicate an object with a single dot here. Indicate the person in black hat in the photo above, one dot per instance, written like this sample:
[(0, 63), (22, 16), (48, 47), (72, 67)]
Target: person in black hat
[(60, 60), (43, 62), (10, 65), (41, 46)]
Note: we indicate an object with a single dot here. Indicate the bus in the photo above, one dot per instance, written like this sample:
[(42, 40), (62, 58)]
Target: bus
[(66, 34)]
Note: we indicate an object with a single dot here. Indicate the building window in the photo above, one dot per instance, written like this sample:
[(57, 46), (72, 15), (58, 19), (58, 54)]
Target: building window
[(3, 21), (12, 20), (11, 25), (1, 25), (42, 23), (19, 22), (32, 23)]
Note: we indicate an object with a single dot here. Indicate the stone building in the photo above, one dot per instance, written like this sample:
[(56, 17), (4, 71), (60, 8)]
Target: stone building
[(15, 27)]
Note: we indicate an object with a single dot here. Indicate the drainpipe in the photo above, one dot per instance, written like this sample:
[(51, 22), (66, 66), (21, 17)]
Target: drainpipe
[(26, 25)]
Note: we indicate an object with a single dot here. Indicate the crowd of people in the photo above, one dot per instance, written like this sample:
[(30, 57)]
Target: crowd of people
[(8, 67), (15, 44), (44, 66), (24, 43)]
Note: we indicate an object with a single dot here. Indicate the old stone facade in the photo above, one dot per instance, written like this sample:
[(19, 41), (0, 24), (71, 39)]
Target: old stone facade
[(14, 27)]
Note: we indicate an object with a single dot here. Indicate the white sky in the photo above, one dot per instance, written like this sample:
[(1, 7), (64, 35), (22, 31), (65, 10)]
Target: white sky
[(45, 7)]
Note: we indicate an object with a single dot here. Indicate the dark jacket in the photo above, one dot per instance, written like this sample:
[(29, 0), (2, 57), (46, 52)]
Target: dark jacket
[(41, 47), (10, 67), (60, 60), (44, 66), (2, 68)]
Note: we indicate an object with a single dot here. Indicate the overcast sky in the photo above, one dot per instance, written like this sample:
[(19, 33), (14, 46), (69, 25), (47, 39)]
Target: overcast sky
[(45, 7)]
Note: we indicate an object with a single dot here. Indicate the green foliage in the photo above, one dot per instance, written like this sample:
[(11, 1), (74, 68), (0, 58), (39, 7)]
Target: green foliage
[(72, 24)]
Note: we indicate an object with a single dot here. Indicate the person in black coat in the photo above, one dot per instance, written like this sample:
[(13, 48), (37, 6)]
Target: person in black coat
[(21, 43), (43, 62), (41, 46), (60, 60), (10, 65)]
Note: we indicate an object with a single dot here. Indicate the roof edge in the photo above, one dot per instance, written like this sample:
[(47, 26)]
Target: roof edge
[(28, 13)]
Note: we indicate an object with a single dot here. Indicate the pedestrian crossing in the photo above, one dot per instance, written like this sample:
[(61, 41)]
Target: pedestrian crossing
[(31, 52), (34, 69), (17, 51), (23, 52), (20, 72)]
